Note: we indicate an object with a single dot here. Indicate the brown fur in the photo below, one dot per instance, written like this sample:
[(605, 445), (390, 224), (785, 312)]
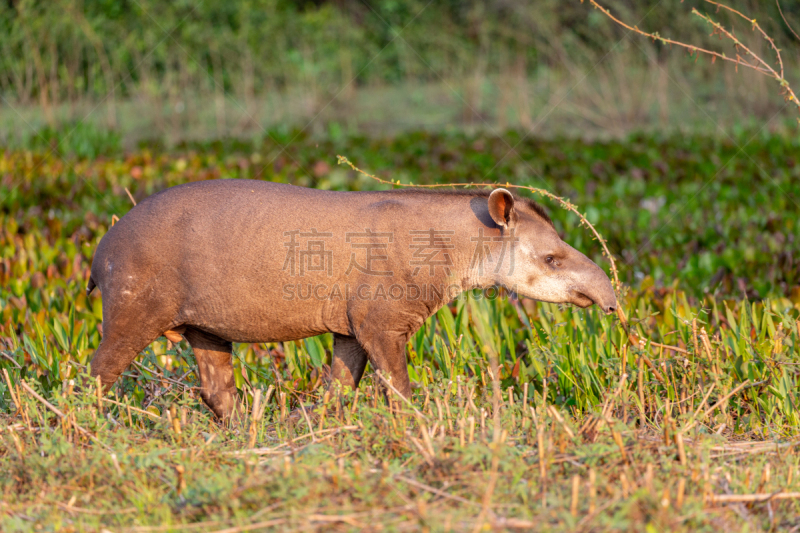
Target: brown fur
[(211, 261)]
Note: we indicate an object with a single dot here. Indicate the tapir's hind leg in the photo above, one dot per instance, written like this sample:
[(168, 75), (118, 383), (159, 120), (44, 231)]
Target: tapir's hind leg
[(349, 361), (217, 387), (123, 340)]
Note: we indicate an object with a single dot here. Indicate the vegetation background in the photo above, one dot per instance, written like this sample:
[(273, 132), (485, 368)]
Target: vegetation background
[(528, 416), (197, 70)]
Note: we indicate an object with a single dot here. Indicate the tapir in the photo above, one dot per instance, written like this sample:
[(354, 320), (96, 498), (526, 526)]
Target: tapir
[(232, 260)]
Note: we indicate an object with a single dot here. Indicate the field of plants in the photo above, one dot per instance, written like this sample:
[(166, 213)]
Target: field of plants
[(525, 416), (210, 69)]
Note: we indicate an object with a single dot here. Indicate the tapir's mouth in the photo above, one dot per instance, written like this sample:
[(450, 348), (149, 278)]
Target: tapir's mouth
[(581, 300)]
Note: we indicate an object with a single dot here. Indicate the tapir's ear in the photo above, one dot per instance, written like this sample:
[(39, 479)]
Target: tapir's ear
[(501, 208)]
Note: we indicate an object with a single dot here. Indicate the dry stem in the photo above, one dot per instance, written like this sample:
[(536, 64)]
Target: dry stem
[(61, 415), (759, 65)]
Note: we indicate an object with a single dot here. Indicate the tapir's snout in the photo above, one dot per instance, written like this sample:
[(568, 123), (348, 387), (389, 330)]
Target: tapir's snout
[(594, 288), (609, 308), (606, 302)]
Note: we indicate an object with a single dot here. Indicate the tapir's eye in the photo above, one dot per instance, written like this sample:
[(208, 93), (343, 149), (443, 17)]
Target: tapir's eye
[(549, 259)]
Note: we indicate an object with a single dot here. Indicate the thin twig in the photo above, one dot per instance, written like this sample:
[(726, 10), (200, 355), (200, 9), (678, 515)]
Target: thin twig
[(664, 40), (130, 196), (716, 405), (4, 354), (160, 375), (61, 415), (640, 342), (148, 413), (786, 21), (308, 420), (173, 527), (764, 67), (436, 491), (705, 399), (256, 525), (566, 204), (397, 392), (669, 347), (742, 498), (72, 509), (267, 451), (11, 389), (735, 40), (560, 419)]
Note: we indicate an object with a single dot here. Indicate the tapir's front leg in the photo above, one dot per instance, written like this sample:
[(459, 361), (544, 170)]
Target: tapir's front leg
[(349, 361), (387, 352)]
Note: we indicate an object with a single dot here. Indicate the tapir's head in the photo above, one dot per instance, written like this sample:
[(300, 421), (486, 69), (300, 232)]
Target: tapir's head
[(540, 265)]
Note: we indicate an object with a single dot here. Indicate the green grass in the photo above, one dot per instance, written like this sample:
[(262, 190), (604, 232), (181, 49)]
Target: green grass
[(704, 234)]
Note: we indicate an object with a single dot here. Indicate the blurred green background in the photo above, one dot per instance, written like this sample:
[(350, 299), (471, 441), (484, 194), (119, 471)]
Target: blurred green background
[(178, 70)]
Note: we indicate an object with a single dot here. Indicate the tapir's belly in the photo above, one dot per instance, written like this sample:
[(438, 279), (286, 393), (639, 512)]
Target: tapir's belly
[(275, 311)]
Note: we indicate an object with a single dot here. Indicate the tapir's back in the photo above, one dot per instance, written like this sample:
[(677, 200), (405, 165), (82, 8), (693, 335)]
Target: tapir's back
[(231, 255)]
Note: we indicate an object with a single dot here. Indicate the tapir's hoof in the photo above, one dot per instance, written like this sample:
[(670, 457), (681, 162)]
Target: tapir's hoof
[(225, 405)]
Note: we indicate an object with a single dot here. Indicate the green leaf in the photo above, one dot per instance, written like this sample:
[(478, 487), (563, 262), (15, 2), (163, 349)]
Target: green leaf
[(316, 351)]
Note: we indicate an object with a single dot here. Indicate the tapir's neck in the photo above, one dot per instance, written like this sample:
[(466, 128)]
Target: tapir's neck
[(483, 260), (494, 262)]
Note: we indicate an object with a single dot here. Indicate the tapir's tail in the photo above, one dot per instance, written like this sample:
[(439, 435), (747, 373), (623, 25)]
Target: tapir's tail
[(90, 287)]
